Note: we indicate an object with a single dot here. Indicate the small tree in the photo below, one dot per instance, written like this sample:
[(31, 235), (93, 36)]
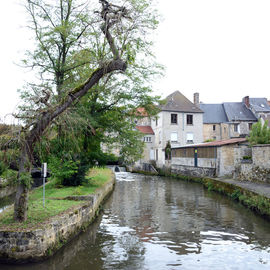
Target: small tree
[(260, 134)]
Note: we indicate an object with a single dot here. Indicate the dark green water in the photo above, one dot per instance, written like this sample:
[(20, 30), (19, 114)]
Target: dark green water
[(158, 223)]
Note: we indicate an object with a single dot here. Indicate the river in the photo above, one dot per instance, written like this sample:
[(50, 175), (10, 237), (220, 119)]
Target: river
[(160, 223)]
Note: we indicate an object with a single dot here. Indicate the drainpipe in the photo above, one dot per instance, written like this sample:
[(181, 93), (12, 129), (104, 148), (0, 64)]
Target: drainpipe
[(183, 121)]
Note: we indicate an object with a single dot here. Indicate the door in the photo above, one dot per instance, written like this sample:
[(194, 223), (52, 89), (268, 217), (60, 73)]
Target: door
[(195, 157)]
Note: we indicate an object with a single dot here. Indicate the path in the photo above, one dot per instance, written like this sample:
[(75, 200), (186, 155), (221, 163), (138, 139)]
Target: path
[(257, 187)]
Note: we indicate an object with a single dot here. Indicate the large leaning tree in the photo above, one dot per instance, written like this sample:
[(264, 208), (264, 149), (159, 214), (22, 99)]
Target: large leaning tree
[(78, 46)]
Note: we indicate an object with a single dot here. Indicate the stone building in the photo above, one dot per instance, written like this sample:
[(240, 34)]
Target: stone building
[(215, 122), (229, 119), (206, 159), (259, 107)]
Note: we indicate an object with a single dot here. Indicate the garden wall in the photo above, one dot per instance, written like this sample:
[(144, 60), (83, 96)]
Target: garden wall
[(257, 169)]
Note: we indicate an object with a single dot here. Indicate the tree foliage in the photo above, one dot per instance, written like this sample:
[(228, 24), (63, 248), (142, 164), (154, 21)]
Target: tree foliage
[(86, 53), (260, 133)]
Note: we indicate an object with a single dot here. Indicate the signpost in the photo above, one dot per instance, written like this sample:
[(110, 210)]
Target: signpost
[(44, 175)]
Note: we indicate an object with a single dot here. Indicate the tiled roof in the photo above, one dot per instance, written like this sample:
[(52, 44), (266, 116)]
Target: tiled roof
[(215, 143), (177, 102), (237, 111), (259, 104), (145, 130), (213, 113), (141, 111)]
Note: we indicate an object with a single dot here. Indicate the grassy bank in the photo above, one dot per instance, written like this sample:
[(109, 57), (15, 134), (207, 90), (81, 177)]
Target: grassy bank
[(55, 202)]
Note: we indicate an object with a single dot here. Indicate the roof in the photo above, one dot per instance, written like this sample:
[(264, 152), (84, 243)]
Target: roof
[(177, 102), (145, 129), (141, 112), (259, 104), (213, 113), (237, 111), (214, 143)]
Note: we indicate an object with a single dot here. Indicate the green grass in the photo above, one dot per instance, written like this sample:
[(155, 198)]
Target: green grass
[(55, 203)]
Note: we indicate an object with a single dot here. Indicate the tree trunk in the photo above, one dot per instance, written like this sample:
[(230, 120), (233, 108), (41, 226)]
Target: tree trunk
[(21, 199)]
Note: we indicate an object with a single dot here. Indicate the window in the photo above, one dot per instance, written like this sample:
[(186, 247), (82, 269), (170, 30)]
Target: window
[(189, 137), (189, 119), (214, 127), (156, 121), (250, 126), (156, 154), (152, 154), (173, 118), (147, 139), (174, 137), (235, 126)]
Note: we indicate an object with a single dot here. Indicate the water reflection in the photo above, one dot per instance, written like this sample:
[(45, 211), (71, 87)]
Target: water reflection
[(6, 201), (154, 223)]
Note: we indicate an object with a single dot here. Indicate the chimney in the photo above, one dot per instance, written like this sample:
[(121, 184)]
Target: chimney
[(246, 101), (196, 99)]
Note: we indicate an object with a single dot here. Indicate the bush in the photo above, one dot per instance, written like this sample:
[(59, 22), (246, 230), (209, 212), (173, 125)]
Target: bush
[(2, 167)]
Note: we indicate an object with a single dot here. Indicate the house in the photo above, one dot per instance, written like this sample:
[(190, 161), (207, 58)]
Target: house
[(179, 122), (149, 140), (240, 119), (206, 159), (215, 122), (259, 107), (227, 120)]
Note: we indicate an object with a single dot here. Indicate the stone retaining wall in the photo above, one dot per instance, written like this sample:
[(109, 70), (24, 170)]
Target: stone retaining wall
[(6, 191), (193, 171), (38, 244)]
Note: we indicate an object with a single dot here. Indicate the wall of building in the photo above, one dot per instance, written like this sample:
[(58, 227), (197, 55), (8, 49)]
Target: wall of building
[(202, 162), (193, 171), (221, 132), (145, 121), (148, 147), (165, 128), (243, 129), (225, 160)]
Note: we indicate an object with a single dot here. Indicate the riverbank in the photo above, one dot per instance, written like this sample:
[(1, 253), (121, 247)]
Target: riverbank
[(254, 195), (68, 211)]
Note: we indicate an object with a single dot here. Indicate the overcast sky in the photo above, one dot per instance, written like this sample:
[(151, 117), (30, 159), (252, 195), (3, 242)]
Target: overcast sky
[(219, 48)]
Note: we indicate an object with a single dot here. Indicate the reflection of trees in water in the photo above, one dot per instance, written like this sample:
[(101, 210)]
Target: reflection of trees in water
[(5, 201)]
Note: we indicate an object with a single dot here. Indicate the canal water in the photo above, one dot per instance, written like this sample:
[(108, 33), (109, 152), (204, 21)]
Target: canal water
[(160, 223)]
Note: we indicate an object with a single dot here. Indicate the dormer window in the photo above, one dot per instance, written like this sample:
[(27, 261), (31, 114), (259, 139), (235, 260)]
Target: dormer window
[(173, 118)]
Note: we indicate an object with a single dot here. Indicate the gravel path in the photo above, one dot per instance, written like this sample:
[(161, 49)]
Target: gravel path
[(260, 188)]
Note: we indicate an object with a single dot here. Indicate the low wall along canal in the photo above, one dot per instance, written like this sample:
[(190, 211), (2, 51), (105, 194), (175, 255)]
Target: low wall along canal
[(20, 246), (159, 223)]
